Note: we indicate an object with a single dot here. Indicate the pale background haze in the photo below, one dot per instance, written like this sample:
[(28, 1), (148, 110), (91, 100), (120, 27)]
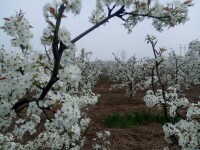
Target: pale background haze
[(107, 39)]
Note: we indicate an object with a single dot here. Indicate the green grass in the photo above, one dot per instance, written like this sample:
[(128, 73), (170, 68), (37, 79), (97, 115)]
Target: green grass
[(131, 119)]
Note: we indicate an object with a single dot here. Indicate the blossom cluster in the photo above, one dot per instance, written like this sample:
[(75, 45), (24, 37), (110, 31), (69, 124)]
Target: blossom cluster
[(152, 99), (135, 11), (18, 27), (186, 131), (101, 140), (98, 14), (50, 10)]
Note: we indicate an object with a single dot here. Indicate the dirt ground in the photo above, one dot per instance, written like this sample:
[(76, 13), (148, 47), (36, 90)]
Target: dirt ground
[(148, 136)]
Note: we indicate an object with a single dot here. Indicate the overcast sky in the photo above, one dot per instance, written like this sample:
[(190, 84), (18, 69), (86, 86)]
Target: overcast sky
[(107, 39)]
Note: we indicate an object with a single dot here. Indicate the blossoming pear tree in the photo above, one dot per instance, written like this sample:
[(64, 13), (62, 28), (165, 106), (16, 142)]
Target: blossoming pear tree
[(185, 133), (182, 70), (90, 71), (132, 75), (34, 86)]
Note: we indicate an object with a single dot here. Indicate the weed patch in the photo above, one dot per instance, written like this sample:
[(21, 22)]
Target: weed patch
[(137, 118)]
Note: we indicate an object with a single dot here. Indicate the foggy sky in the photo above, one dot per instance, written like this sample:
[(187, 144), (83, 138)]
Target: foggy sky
[(107, 39)]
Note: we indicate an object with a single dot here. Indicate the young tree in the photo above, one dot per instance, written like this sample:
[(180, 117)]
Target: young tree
[(132, 75), (184, 133), (90, 71)]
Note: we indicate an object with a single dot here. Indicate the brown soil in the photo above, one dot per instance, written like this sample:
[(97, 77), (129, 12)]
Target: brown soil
[(148, 136)]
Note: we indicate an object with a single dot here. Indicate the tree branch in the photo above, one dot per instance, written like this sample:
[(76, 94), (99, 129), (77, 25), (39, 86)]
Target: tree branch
[(119, 11), (57, 51), (57, 57), (147, 15), (153, 44)]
